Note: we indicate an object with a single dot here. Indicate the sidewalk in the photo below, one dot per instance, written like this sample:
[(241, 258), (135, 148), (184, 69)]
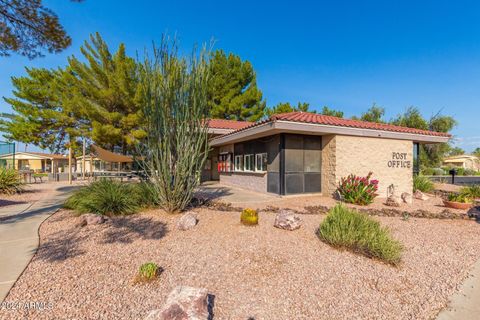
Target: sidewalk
[(465, 304), (19, 234)]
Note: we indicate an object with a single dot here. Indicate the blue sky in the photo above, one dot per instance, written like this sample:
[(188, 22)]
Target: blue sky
[(344, 54)]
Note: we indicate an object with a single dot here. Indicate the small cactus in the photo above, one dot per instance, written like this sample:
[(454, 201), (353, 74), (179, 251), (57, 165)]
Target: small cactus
[(249, 217)]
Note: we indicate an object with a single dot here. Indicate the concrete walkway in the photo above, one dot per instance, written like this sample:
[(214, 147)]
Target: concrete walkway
[(465, 304), (19, 234)]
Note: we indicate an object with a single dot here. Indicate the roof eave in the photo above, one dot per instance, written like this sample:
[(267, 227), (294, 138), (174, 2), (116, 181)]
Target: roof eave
[(320, 129)]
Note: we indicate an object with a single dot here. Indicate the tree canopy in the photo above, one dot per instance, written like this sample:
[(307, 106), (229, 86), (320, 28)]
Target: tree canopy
[(232, 92), (284, 107), (27, 28), (374, 114), (326, 111)]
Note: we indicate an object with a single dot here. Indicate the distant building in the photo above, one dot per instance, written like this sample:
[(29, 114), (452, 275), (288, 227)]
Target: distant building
[(465, 161), (99, 160), (35, 161)]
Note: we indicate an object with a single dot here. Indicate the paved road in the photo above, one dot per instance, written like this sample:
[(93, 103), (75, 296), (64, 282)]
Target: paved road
[(19, 234)]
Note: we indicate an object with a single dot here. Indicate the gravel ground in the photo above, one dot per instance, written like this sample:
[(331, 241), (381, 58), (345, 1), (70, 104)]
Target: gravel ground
[(259, 272), (32, 193)]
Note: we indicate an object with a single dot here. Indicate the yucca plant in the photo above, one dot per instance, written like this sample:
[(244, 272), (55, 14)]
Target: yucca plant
[(10, 181), (173, 92)]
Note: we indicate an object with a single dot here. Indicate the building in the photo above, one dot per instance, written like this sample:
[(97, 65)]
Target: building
[(301, 152), (100, 160), (35, 161), (464, 161)]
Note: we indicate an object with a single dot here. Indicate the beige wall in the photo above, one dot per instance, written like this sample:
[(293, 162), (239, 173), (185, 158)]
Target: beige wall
[(250, 181), (390, 161)]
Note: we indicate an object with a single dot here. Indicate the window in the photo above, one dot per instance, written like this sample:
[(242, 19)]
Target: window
[(225, 162), (261, 162), (239, 163), (249, 162)]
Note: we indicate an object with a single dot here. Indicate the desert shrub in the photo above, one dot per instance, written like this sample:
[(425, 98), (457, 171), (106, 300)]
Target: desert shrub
[(147, 194), (469, 172), (105, 197), (10, 181), (428, 171), (422, 183), (249, 217), (460, 171), (147, 272), (349, 229), (358, 190), (438, 172)]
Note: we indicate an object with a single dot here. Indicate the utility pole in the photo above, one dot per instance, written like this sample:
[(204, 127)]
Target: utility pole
[(70, 164), (83, 159)]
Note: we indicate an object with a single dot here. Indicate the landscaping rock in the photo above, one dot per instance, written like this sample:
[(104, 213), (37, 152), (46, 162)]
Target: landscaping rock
[(406, 197), (183, 303), (187, 221), (287, 220), (392, 201), (420, 195), (91, 218)]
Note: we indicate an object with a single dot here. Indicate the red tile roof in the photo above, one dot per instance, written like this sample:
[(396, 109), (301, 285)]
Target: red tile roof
[(307, 117), (49, 155), (228, 124)]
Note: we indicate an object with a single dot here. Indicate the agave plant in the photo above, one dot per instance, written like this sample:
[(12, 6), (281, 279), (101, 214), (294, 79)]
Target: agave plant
[(10, 181)]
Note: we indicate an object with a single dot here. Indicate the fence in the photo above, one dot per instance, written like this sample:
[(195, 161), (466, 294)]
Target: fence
[(7, 155)]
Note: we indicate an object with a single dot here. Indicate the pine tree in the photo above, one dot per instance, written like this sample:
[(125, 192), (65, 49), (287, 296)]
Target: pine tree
[(284, 107), (40, 118), (233, 92), (374, 114), (326, 111), (105, 88)]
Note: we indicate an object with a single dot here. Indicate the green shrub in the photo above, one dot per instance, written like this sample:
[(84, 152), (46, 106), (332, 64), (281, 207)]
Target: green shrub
[(472, 192), (10, 181), (249, 217), (428, 172), (347, 228), (460, 171), (147, 194), (469, 172), (458, 197), (358, 190), (422, 183), (105, 197), (147, 272), (438, 172)]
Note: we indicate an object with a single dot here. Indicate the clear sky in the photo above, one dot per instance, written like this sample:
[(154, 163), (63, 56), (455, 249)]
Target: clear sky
[(344, 54)]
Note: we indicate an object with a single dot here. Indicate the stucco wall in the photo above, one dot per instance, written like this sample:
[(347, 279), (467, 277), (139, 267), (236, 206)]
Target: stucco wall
[(390, 161), (251, 181)]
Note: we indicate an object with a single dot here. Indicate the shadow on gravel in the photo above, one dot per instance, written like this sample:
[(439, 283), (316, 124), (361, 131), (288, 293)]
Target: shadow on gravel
[(128, 229), (4, 202), (61, 246)]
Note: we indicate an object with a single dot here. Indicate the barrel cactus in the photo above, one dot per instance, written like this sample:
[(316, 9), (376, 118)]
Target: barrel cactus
[(249, 217)]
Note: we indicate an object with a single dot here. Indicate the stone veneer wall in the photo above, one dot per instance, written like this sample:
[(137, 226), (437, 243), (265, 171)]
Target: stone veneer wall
[(343, 155), (251, 181)]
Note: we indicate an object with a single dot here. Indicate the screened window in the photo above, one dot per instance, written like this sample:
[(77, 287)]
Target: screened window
[(239, 163), (249, 162), (261, 162)]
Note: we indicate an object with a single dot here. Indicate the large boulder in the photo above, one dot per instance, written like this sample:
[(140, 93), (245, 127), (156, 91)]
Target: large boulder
[(420, 195), (406, 197), (287, 220), (184, 303), (392, 201), (187, 221)]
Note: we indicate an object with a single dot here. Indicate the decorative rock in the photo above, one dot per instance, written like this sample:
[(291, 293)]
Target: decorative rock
[(287, 220), (183, 303), (91, 218), (420, 195), (406, 197), (392, 201), (187, 221)]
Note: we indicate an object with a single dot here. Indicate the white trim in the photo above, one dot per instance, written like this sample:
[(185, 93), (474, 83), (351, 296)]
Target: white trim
[(245, 162), (239, 156), (320, 129), (256, 161)]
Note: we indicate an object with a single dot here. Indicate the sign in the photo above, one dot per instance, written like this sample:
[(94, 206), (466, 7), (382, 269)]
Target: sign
[(399, 160)]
